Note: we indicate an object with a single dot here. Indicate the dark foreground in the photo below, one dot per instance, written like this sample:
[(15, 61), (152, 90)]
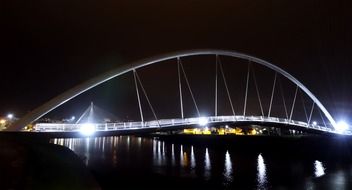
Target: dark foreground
[(27, 163)]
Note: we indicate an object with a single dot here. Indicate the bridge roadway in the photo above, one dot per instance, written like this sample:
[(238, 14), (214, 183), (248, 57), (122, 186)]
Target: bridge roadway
[(125, 128)]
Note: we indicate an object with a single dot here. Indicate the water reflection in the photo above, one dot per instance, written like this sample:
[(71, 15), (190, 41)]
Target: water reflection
[(338, 180), (261, 173), (86, 153), (181, 156), (173, 154), (184, 157), (319, 169), (228, 169), (207, 166), (158, 153), (193, 160), (137, 154)]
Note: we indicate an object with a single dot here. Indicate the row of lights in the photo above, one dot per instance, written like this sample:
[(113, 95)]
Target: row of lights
[(88, 129)]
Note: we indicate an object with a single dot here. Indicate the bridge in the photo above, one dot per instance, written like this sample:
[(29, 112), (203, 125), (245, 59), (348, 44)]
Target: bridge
[(327, 124)]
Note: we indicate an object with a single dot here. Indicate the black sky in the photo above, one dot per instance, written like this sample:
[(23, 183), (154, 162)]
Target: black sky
[(49, 46)]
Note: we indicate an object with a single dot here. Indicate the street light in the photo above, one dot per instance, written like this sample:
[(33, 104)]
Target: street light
[(203, 121), (341, 126), (87, 129), (10, 116)]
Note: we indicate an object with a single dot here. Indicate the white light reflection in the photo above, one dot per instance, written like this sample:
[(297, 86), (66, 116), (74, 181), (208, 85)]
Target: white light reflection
[(159, 149), (261, 173), (103, 147), (139, 142), (87, 151), (157, 156), (173, 154), (228, 169), (154, 147), (163, 149), (181, 155), (128, 143), (207, 166), (319, 169), (193, 160)]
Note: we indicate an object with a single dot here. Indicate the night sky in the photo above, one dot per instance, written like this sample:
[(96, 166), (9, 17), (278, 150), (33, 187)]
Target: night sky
[(48, 47)]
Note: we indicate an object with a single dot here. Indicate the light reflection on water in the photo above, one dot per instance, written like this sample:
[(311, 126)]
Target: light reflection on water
[(186, 160), (261, 173), (193, 160), (207, 166), (319, 169), (228, 169)]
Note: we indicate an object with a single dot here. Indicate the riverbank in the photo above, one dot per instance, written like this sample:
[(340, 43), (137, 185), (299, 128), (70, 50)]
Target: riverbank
[(34, 163)]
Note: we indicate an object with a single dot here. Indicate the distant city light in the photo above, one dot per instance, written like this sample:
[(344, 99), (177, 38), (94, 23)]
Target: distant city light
[(10, 116), (73, 118), (203, 121), (341, 126), (87, 129), (3, 121), (226, 126), (315, 123)]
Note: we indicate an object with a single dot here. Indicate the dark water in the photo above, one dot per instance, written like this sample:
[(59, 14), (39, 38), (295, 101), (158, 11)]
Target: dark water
[(133, 162)]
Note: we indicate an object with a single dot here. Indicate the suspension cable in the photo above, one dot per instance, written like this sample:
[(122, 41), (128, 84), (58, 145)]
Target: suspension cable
[(189, 88), (311, 113), (272, 95), (304, 106), (216, 86), (246, 94), (283, 97), (257, 89), (293, 104), (227, 89), (84, 114), (146, 96), (180, 85), (322, 118), (138, 96)]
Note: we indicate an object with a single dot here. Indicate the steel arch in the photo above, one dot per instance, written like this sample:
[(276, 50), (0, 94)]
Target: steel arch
[(79, 89)]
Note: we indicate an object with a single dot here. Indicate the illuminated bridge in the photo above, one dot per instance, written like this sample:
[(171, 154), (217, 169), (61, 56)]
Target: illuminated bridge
[(315, 118)]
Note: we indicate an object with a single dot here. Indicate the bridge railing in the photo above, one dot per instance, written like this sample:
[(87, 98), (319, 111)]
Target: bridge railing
[(65, 127)]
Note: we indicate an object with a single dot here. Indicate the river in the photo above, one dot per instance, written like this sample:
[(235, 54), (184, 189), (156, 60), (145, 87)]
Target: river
[(129, 162)]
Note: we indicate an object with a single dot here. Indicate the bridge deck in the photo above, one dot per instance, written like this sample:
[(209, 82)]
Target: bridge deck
[(174, 123)]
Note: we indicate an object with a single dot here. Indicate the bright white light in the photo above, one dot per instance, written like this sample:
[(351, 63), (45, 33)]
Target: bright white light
[(203, 121), (73, 118), (226, 126), (207, 166), (261, 172), (193, 161), (206, 128), (341, 126), (315, 123), (10, 116), (319, 169), (228, 167), (87, 129)]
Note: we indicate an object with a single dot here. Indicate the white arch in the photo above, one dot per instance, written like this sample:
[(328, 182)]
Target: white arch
[(79, 89)]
